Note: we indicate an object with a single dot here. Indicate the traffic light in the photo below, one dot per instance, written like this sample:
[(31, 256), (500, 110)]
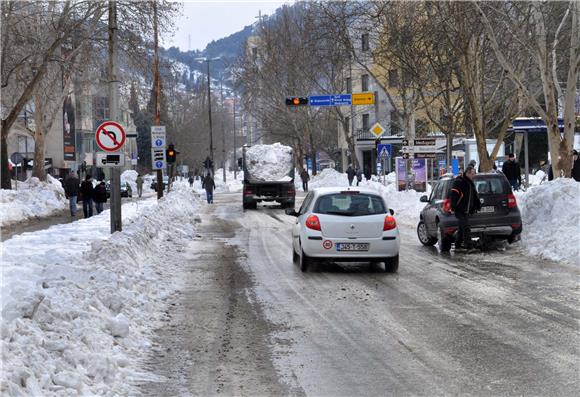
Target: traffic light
[(171, 154), (296, 101)]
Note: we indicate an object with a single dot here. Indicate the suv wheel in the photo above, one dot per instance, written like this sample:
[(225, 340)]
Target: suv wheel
[(443, 241), (424, 237)]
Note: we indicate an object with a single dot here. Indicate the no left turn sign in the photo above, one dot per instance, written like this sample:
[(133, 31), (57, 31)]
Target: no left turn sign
[(110, 136)]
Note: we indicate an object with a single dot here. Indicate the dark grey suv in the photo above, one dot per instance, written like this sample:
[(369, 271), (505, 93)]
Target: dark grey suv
[(498, 219)]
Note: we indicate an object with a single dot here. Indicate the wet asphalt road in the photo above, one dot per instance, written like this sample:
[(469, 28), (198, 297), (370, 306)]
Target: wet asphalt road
[(248, 322)]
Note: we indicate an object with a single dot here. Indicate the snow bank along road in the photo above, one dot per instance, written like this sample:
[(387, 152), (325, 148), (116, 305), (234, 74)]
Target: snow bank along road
[(246, 321)]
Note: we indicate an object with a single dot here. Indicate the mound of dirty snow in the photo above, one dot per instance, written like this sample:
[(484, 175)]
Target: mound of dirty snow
[(269, 162)]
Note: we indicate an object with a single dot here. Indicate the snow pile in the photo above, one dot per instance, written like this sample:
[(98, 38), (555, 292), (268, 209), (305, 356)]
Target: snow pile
[(79, 311), (130, 177), (269, 162), (538, 178), (33, 199), (551, 219), (406, 204)]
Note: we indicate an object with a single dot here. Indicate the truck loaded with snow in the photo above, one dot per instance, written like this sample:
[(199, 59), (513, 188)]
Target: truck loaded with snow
[(268, 175)]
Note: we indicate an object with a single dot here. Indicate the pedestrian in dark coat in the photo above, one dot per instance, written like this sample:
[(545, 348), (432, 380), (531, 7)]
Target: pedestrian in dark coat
[(464, 203), (359, 176), (71, 189), (87, 192), (575, 166), (209, 186), (511, 170), (100, 196), (190, 180), (350, 173), (305, 178)]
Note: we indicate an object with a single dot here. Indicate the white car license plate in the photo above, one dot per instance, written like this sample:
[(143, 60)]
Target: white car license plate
[(352, 246), (489, 208)]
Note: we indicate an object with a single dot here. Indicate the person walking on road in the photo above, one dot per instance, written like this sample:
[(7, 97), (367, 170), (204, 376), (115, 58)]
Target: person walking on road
[(190, 180), (575, 166), (209, 186), (100, 196), (139, 182), (71, 189), (464, 203), (511, 170), (87, 191), (305, 178), (359, 176), (350, 173)]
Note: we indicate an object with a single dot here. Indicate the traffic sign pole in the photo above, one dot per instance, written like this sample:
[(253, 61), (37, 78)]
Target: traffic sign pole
[(158, 160)]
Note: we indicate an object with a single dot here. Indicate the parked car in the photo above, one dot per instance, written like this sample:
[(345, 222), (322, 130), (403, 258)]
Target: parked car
[(126, 190), (498, 219), (154, 182), (345, 225)]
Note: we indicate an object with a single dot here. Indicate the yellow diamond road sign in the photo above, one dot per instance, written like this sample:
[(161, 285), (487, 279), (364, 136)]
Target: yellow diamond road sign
[(377, 130)]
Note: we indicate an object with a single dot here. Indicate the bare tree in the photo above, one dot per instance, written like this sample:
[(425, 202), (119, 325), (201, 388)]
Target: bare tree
[(548, 33)]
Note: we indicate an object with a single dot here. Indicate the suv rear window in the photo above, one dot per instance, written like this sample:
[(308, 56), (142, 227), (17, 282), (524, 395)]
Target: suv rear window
[(490, 185), (349, 204)]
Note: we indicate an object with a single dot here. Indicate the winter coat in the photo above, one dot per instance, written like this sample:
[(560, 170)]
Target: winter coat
[(87, 190), (350, 172), (304, 176), (576, 170), (464, 198), (208, 184), (359, 175), (100, 194), (71, 186), (511, 170)]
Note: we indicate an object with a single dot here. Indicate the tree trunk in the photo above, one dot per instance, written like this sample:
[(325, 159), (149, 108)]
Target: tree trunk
[(4, 169)]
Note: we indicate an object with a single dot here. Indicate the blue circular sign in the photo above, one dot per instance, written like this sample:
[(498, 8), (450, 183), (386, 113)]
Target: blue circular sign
[(158, 142), (159, 164)]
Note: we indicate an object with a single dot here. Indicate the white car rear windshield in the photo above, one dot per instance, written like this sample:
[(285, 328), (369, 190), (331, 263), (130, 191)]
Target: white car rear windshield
[(349, 204)]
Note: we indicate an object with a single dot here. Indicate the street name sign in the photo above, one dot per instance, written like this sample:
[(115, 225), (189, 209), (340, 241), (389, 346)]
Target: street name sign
[(425, 142), (330, 100), (110, 159), (377, 130), (363, 98), (110, 136)]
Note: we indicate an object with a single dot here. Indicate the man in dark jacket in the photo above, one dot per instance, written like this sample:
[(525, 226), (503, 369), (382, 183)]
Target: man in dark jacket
[(71, 189), (575, 166), (350, 173), (511, 170), (209, 186), (100, 196), (305, 178), (464, 202), (87, 191)]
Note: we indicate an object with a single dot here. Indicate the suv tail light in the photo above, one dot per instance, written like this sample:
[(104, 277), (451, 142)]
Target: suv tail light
[(248, 192), (312, 222), (511, 201), (291, 191), (447, 205), (390, 223)]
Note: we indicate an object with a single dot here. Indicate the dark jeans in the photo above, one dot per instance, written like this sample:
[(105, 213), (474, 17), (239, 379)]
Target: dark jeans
[(350, 181), (514, 184), (463, 236), (99, 207), (209, 196), (88, 207), (305, 186)]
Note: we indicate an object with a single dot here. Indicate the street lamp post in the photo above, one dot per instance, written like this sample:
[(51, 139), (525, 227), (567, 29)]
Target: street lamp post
[(208, 60)]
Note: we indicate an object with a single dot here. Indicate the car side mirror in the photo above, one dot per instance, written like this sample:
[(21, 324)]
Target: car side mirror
[(424, 199), (392, 211), (291, 212)]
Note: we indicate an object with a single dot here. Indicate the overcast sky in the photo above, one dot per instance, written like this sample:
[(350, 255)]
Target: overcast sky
[(207, 20)]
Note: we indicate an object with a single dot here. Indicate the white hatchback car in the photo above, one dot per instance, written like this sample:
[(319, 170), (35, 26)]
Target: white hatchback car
[(345, 225)]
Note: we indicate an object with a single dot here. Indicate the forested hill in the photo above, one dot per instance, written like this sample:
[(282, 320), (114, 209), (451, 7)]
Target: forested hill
[(227, 49)]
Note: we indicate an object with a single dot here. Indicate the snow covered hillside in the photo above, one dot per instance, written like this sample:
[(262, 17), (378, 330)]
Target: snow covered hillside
[(33, 199), (79, 305)]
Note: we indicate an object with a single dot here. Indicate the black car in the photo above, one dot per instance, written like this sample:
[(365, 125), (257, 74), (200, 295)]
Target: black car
[(498, 219), (126, 190)]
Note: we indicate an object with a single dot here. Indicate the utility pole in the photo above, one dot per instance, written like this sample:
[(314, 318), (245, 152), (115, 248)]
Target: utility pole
[(209, 113), (157, 87), (235, 159), (116, 221), (223, 131)]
